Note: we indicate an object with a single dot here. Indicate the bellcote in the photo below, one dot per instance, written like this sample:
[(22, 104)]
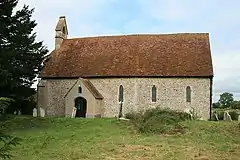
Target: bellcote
[(61, 31)]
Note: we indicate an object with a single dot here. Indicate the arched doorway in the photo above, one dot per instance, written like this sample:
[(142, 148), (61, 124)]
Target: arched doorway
[(81, 105)]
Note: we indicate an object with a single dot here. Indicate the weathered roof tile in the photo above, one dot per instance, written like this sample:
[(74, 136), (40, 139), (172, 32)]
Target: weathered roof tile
[(183, 54)]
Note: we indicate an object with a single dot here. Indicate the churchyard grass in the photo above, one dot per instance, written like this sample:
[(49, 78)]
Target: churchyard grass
[(75, 139)]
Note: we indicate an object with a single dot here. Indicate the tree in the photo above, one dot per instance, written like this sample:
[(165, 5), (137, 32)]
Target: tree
[(21, 56), (236, 105), (226, 100), (216, 105)]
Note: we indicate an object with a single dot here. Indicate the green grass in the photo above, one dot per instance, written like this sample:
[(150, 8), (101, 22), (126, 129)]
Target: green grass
[(75, 139)]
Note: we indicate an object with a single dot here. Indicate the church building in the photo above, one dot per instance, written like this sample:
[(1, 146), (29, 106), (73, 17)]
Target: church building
[(95, 75)]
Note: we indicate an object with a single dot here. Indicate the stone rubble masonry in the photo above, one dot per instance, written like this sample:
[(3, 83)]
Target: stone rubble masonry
[(52, 100), (171, 93)]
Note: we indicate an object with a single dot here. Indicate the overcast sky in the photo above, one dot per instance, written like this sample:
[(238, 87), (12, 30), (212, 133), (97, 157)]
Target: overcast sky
[(220, 18)]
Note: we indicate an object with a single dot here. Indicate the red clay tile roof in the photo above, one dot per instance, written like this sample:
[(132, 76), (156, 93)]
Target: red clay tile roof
[(183, 54)]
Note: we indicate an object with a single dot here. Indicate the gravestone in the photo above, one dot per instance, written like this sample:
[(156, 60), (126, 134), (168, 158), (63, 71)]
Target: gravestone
[(19, 113), (189, 111), (35, 112), (42, 112), (216, 116), (125, 119), (227, 116), (74, 112)]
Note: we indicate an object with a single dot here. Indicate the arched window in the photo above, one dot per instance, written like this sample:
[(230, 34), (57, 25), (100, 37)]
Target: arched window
[(154, 93), (188, 94), (120, 98)]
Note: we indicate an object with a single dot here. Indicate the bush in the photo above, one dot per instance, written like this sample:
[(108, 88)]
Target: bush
[(6, 141), (234, 115), (5, 102), (6, 144), (133, 116), (159, 121), (236, 105)]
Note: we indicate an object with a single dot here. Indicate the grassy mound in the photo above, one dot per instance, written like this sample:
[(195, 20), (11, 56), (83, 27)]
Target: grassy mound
[(157, 120), (60, 138)]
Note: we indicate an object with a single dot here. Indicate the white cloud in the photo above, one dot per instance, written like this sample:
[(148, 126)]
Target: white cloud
[(80, 12), (226, 64)]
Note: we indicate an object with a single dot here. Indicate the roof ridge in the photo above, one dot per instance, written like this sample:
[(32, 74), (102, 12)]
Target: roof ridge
[(143, 34)]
